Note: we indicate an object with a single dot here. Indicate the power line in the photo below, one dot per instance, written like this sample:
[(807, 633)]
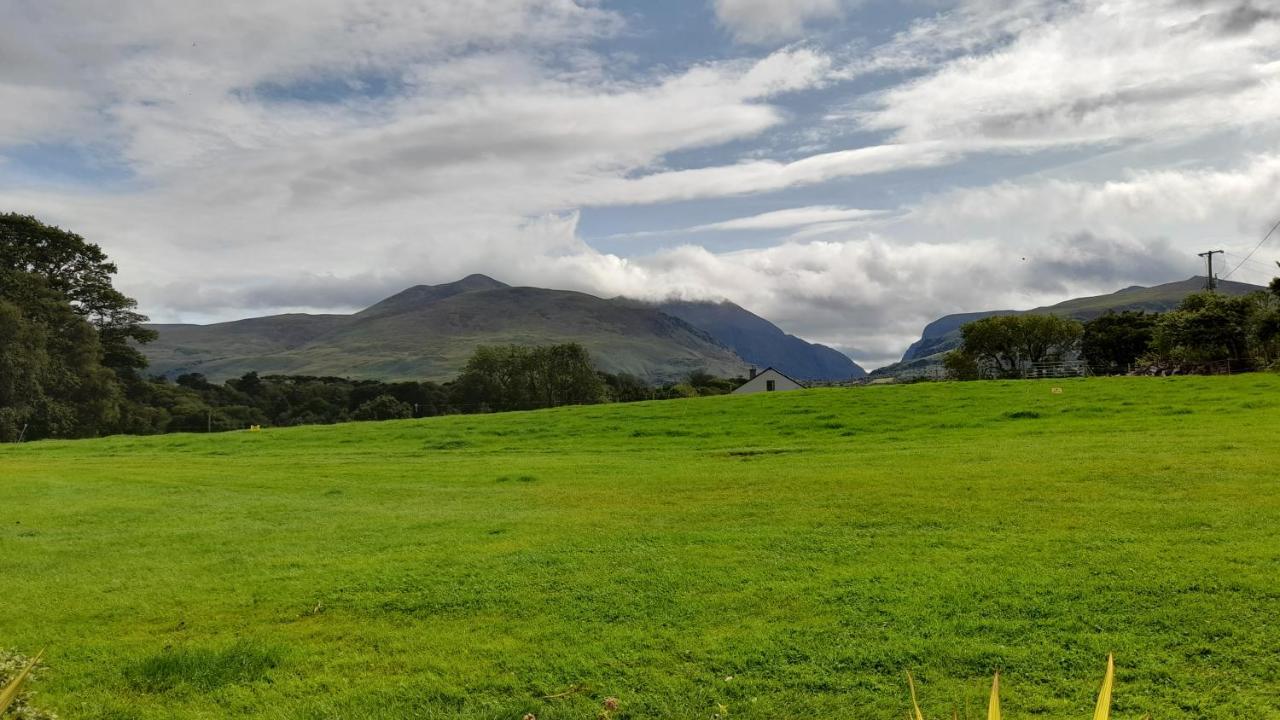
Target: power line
[(1244, 260), (1267, 268), (1255, 248)]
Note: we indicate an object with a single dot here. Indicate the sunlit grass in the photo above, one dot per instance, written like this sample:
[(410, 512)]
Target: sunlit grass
[(781, 556)]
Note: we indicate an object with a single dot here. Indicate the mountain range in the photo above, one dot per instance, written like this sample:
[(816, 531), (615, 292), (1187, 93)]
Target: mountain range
[(943, 335), (427, 332)]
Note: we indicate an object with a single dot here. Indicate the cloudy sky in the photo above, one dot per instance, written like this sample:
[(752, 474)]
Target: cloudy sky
[(850, 169)]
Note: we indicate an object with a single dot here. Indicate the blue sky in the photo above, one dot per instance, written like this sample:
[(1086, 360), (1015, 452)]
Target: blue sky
[(850, 169)]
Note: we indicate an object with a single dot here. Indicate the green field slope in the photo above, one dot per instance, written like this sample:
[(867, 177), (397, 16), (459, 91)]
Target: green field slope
[(769, 556)]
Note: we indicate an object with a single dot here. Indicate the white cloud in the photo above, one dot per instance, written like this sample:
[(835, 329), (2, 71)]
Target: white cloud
[(1099, 72), (479, 129), (758, 21), (791, 218), (815, 218), (767, 175)]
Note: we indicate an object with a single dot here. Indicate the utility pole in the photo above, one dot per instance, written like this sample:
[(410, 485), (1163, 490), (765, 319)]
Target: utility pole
[(1213, 282)]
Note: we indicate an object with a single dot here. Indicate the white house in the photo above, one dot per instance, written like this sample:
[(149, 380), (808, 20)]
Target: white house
[(769, 380)]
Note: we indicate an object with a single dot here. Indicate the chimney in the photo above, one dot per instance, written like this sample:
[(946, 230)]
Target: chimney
[(753, 374)]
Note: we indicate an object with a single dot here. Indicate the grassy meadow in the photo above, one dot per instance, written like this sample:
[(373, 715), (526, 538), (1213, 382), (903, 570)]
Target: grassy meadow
[(781, 556)]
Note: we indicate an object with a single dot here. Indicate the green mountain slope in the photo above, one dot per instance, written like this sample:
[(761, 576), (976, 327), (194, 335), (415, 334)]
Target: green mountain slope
[(428, 332), (762, 343), (943, 335)]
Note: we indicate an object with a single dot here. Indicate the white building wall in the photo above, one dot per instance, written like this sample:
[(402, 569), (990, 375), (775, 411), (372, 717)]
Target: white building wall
[(761, 383)]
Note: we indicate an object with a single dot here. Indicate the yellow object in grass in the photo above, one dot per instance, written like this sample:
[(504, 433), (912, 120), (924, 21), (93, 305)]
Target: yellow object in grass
[(10, 691), (1102, 712)]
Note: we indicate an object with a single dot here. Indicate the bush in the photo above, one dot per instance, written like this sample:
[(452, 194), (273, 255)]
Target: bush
[(960, 365), (383, 407)]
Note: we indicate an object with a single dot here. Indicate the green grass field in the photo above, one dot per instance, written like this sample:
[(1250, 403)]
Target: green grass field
[(784, 556)]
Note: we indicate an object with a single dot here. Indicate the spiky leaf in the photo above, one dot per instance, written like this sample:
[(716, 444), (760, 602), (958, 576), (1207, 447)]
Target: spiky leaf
[(1103, 711), (10, 691), (911, 682), (993, 708)]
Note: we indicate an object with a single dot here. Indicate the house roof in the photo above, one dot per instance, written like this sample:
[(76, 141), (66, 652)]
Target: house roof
[(780, 373)]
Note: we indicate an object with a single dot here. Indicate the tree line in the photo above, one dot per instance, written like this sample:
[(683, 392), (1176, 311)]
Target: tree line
[(1207, 331), (70, 366)]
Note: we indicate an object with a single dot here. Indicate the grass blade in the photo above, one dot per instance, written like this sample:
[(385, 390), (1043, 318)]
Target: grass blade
[(911, 682), (993, 708), (10, 692), (1103, 711)]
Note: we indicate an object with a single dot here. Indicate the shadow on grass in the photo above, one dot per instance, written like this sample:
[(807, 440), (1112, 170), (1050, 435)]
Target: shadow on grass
[(202, 669)]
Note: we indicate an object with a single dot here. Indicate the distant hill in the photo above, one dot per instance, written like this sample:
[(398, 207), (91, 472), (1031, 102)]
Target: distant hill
[(943, 335), (428, 332), (762, 343)]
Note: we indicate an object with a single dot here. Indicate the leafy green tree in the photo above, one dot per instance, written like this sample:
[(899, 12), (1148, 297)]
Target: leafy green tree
[(80, 272), (563, 375), (707, 384), (491, 380), (60, 388), (624, 387), (1007, 342), (24, 363), (1207, 327), (1113, 342), (383, 407), (961, 365), (521, 378)]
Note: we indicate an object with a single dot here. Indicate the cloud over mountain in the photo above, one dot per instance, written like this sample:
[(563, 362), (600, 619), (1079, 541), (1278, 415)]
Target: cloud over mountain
[(896, 163)]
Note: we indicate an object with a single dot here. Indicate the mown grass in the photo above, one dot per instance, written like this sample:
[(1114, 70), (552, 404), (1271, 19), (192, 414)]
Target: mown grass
[(780, 556)]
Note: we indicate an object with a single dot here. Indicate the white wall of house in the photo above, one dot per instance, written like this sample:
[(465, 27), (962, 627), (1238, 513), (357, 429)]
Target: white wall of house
[(768, 381)]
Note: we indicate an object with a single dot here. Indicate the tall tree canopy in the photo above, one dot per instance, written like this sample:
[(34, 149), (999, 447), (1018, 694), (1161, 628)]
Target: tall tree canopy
[(1113, 342), (520, 378), (1005, 343), (80, 272), (63, 331), (1208, 327)]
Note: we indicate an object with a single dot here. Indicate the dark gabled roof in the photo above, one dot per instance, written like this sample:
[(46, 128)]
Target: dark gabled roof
[(780, 373)]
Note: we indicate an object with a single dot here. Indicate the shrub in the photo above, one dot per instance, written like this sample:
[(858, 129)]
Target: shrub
[(383, 407)]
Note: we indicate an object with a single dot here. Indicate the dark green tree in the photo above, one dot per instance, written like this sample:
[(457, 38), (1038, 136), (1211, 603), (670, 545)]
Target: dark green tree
[(383, 407), (24, 364), (1207, 327), (513, 377), (626, 388), (961, 365), (1008, 342), (1113, 342), (80, 272), (60, 388)]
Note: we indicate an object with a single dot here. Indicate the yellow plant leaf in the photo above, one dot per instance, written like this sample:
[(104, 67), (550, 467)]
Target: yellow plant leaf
[(10, 692), (993, 708), (1103, 711), (911, 682)]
